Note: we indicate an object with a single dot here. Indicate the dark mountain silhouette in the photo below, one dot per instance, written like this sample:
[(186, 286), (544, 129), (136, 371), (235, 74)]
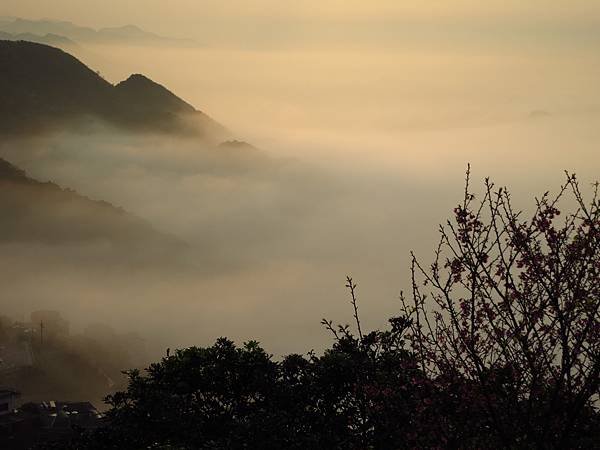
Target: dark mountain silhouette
[(34, 211), (143, 93), (43, 88)]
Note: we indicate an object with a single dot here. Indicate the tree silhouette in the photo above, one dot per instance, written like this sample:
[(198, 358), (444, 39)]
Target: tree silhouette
[(511, 305)]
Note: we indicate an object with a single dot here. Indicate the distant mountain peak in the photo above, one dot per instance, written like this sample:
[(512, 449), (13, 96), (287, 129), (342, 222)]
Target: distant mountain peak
[(51, 39), (131, 34), (129, 27), (236, 145)]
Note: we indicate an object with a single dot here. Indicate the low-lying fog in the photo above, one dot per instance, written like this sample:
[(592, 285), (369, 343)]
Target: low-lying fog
[(361, 156)]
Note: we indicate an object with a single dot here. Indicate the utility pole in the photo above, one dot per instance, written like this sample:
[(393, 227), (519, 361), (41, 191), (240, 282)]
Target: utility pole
[(41, 333)]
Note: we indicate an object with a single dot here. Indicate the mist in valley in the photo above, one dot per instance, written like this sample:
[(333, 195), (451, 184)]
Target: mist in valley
[(265, 239), (357, 152)]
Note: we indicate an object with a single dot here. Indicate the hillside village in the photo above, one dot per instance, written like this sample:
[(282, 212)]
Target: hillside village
[(52, 381)]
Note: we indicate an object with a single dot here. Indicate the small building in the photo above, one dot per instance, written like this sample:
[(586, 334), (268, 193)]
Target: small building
[(48, 421), (8, 400)]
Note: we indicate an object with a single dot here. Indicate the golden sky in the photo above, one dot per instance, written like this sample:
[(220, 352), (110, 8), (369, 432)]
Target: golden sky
[(271, 67), (234, 21)]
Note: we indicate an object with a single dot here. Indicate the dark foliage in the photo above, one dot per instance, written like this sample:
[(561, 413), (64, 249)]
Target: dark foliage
[(512, 306)]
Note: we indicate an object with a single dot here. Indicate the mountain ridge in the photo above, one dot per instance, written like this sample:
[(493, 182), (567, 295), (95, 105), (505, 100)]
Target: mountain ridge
[(54, 40), (36, 211), (44, 87), (129, 34)]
